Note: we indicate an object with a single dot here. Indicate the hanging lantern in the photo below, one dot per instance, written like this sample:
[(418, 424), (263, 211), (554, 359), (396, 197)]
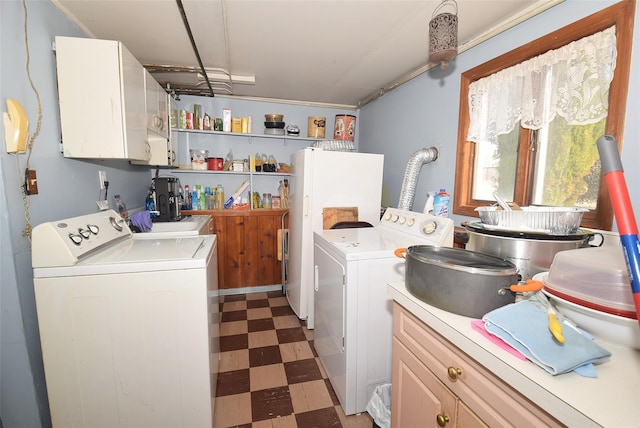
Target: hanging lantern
[(443, 34)]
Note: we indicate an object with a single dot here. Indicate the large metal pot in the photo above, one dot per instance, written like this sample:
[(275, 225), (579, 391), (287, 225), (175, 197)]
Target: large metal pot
[(460, 281), (531, 252)]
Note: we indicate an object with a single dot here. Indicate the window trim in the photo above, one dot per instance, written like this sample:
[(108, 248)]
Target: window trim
[(622, 16)]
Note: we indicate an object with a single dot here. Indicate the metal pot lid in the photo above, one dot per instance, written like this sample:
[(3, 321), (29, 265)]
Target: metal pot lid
[(460, 259), (479, 227)]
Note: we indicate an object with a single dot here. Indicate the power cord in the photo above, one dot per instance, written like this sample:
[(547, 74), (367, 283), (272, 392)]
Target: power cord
[(106, 190)]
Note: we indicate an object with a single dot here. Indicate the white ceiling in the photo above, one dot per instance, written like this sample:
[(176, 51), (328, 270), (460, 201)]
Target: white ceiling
[(343, 52)]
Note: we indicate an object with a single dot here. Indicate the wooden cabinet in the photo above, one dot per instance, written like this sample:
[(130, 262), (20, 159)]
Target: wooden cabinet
[(436, 384), (247, 247), (101, 91)]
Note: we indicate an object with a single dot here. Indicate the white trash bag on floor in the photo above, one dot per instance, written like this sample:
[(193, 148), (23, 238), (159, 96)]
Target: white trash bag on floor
[(379, 406)]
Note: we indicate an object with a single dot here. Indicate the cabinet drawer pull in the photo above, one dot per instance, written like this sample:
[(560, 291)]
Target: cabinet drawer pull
[(453, 373), (442, 419)]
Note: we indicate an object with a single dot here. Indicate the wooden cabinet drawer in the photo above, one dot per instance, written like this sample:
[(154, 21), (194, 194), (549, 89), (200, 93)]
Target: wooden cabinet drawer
[(495, 402)]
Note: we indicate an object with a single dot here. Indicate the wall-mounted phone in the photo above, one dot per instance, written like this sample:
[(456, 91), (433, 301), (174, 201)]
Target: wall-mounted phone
[(16, 127)]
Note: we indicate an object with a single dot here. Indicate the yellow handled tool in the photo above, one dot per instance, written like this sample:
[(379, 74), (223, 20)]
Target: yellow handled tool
[(555, 327)]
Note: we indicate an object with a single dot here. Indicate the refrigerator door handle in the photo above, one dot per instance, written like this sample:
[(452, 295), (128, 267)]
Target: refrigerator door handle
[(306, 205)]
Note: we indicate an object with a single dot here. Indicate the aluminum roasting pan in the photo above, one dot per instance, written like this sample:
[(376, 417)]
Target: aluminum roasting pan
[(460, 281), (552, 220)]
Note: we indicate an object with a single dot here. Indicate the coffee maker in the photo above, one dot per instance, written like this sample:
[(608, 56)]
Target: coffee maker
[(167, 198)]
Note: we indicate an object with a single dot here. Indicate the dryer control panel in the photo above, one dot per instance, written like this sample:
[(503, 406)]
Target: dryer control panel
[(435, 229)]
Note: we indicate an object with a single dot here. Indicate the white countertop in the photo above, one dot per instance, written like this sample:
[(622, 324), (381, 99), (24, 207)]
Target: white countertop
[(611, 400)]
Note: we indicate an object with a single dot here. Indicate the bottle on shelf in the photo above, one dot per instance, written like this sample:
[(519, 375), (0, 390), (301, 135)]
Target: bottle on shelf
[(202, 199), (211, 199), (207, 198), (194, 197), (258, 162), (219, 197)]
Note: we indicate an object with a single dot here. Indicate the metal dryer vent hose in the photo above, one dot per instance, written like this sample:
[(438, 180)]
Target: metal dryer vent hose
[(411, 173)]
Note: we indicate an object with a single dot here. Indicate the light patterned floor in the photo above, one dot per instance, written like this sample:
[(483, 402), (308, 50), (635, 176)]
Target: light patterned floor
[(270, 375)]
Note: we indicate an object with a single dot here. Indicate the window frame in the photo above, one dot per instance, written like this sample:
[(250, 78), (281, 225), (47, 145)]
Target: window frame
[(622, 16)]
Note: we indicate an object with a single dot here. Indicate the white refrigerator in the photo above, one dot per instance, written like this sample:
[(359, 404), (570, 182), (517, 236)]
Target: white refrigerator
[(325, 179)]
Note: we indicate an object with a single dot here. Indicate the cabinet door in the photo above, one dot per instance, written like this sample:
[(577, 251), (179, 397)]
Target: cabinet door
[(233, 254), (418, 398), (156, 106), (247, 247), (101, 97), (466, 417)]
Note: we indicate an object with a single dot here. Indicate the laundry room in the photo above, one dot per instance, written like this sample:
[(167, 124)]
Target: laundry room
[(319, 213)]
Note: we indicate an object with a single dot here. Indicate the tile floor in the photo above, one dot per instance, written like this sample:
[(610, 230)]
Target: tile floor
[(270, 375)]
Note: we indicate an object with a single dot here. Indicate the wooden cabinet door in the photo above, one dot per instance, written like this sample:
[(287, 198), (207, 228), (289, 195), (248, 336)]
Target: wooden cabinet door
[(418, 398), (247, 250)]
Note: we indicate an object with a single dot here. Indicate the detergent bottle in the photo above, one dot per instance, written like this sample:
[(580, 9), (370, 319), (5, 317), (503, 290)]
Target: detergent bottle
[(441, 203)]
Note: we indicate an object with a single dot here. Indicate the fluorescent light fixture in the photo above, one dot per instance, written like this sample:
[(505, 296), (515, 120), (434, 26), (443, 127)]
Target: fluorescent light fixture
[(219, 76)]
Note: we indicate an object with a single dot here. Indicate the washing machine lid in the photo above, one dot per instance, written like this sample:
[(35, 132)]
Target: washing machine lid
[(148, 250), (141, 255)]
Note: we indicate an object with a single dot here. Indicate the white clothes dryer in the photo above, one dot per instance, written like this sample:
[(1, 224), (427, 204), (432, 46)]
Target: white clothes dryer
[(353, 312)]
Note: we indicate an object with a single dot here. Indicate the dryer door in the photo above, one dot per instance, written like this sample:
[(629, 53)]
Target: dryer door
[(329, 308)]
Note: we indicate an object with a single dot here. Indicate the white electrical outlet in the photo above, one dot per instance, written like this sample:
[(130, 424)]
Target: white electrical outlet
[(102, 176), (103, 205)]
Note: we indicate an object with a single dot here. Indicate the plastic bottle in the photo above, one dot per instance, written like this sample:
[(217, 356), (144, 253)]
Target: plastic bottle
[(194, 197), (220, 197), (207, 198), (441, 203), (150, 203), (202, 199), (211, 201)]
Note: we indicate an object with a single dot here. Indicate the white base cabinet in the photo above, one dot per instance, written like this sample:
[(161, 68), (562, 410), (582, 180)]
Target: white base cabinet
[(437, 385), (101, 91)]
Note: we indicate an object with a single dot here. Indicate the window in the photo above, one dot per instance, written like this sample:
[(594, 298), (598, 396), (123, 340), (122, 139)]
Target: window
[(558, 164)]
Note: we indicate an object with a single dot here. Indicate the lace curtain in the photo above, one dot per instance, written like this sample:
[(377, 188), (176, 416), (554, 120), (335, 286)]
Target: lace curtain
[(572, 81)]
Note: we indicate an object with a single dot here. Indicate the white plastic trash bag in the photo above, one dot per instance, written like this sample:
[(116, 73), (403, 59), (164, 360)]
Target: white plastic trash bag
[(379, 406)]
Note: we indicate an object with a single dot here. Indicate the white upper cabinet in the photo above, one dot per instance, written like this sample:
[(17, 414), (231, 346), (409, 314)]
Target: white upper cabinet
[(101, 90), (157, 106)]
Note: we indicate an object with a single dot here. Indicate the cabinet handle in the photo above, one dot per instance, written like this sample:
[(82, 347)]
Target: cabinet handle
[(315, 278), (453, 373), (442, 419)]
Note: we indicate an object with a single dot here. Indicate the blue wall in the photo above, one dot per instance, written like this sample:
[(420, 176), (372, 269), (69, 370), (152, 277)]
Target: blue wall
[(424, 111), (421, 113), (67, 187)]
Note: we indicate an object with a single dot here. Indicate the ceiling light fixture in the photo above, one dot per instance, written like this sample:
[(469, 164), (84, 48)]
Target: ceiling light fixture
[(443, 34), (221, 75)]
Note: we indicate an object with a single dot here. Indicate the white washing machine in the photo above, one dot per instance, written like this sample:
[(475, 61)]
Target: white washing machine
[(353, 313), (128, 327)]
